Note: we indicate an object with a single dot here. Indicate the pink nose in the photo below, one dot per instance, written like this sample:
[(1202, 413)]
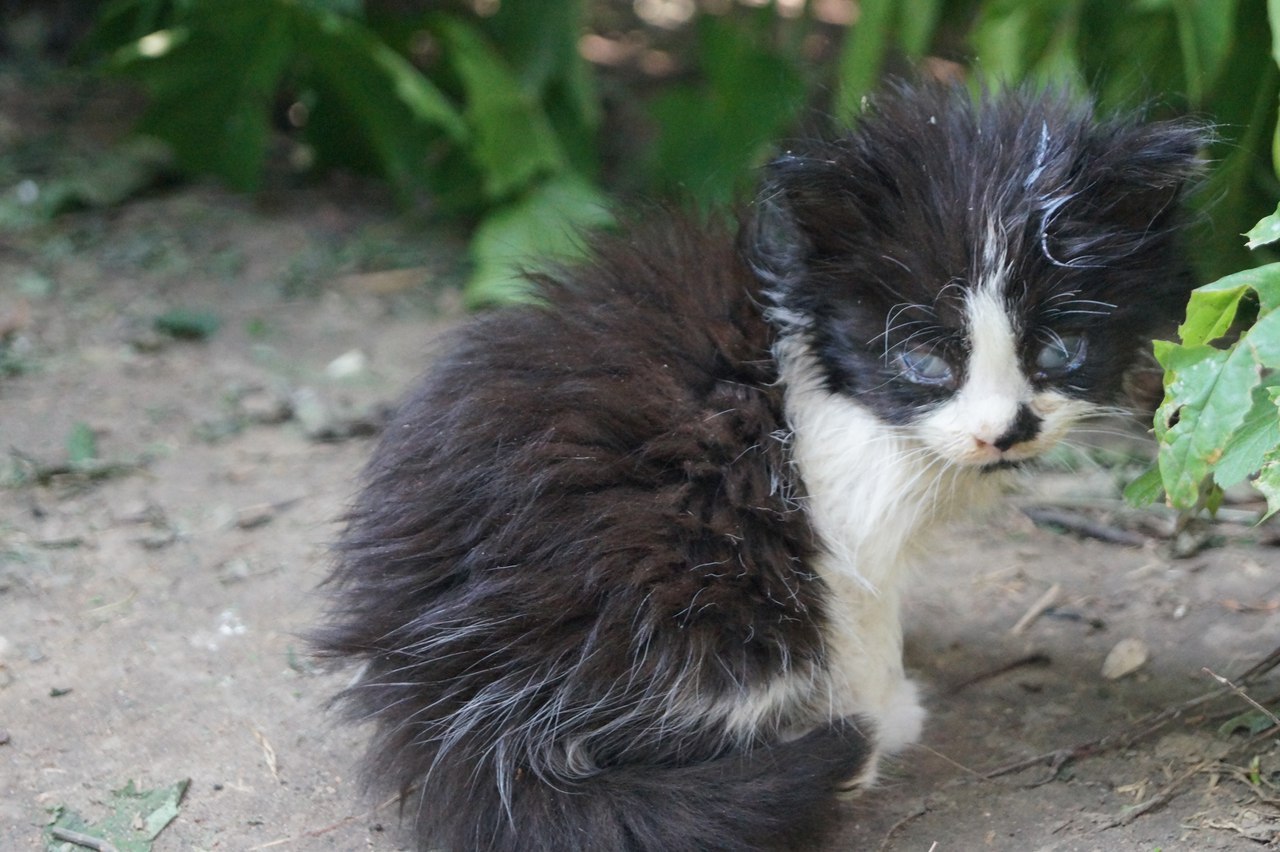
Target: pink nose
[(1025, 426)]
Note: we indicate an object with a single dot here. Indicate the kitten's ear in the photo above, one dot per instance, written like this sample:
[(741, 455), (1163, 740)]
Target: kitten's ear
[(1139, 172), (779, 235)]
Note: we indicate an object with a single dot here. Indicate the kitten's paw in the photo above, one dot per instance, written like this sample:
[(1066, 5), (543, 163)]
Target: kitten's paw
[(901, 719)]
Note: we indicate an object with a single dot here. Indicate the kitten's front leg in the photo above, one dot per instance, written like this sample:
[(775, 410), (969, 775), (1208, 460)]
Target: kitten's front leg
[(865, 670)]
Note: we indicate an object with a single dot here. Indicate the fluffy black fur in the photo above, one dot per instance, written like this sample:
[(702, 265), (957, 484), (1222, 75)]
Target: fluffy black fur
[(576, 524), (581, 540)]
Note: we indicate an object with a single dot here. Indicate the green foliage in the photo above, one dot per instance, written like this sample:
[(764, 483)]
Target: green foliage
[(507, 111), (1219, 423), (716, 129), (534, 229)]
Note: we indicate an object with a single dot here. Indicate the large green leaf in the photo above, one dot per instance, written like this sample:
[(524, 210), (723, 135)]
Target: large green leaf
[(862, 57), (714, 131), (546, 225), (512, 141), (369, 91), (1029, 39), (1205, 31), (1218, 416), (213, 111)]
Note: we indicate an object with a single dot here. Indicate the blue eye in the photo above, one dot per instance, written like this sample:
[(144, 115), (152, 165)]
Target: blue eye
[(1061, 354), (923, 367)]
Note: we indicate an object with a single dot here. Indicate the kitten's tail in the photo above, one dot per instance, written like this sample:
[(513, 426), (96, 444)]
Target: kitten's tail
[(777, 797)]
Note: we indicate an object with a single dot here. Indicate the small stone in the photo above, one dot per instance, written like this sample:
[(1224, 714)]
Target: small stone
[(348, 365), (1125, 658), (313, 415), (255, 516)]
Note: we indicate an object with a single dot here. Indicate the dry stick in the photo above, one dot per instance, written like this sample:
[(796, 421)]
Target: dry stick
[(1238, 691), (317, 832), (88, 841), (1171, 789), (1157, 801), (1144, 727), (957, 764), (1037, 609), (1082, 525), (893, 829), (1036, 658)]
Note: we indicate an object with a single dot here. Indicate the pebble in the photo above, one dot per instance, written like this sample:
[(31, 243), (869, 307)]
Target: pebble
[(1126, 657)]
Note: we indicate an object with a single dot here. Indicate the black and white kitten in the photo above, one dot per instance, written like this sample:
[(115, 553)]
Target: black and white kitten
[(626, 570)]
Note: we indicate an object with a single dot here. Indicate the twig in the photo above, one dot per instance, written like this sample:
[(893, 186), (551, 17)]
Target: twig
[(268, 753), (1036, 659), (1159, 800), (958, 765), (1238, 691), (317, 832), (920, 811), (1037, 609), (1084, 526), (1141, 729), (88, 841), (1172, 789)]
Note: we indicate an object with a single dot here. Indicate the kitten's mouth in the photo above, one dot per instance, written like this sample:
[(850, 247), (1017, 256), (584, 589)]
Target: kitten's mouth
[(1003, 464)]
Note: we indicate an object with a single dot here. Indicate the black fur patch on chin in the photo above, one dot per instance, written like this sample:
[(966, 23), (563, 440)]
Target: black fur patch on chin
[(1004, 464)]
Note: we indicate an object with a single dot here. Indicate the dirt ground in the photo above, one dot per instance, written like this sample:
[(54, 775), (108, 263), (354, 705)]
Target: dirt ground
[(152, 593)]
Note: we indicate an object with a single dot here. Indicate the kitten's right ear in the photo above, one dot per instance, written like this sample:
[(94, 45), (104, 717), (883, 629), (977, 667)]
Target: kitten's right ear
[(777, 239)]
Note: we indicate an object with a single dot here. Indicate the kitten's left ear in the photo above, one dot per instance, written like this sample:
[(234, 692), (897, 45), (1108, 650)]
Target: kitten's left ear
[(1139, 173)]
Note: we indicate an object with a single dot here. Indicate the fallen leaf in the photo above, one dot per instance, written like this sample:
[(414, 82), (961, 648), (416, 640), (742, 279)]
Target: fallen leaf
[(137, 817)]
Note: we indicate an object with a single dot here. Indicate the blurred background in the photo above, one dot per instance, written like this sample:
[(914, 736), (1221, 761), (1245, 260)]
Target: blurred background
[(519, 119)]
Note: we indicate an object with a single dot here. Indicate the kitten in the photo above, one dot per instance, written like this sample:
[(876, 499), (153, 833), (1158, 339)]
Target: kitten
[(626, 570)]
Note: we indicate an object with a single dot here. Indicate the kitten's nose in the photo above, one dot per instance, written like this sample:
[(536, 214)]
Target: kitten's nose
[(1026, 425)]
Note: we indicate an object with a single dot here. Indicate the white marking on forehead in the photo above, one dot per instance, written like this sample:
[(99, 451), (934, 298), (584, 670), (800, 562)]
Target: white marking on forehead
[(994, 269), (994, 384)]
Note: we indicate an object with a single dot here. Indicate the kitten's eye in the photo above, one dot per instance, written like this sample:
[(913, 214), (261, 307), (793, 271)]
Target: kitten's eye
[(1062, 354), (923, 367)]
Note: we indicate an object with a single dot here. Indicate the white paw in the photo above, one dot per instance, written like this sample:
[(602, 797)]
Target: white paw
[(901, 718)]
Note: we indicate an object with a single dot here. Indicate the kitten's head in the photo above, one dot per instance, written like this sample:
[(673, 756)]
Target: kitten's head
[(980, 274)]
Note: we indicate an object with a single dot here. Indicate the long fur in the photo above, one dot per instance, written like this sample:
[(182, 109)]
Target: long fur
[(626, 567)]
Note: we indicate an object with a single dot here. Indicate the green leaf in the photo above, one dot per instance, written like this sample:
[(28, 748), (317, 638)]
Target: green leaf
[(512, 139), (1259, 433), (1263, 280), (1266, 231), (1205, 33), (136, 819), (544, 226), (370, 97), (1268, 482), (1210, 314), (1273, 15), (1209, 395), (82, 445), (188, 323), (1146, 489), (714, 132), (917, 20), (1029, 39), (1252, 722), (862, 57), (215, 113)]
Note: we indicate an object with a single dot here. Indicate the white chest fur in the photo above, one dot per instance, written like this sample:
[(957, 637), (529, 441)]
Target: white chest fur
[(872, 491)]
